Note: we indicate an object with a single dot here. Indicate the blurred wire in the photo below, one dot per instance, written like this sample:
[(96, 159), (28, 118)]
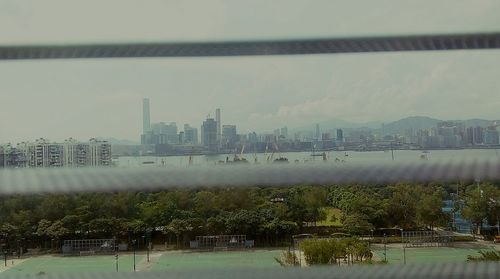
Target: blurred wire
[(27, 181), (262, 47), (427, 271)]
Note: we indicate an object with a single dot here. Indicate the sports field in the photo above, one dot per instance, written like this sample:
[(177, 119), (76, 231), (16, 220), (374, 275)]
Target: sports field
[(51, 265), (215, 260), (172, 260), (186, 260), (425, 255)]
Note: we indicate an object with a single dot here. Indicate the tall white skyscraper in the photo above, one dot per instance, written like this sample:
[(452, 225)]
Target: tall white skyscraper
[(218, 120), (146, 122)]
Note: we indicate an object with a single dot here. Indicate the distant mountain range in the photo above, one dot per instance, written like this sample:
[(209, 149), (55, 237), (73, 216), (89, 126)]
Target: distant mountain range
[(412, 122), (396, 127)]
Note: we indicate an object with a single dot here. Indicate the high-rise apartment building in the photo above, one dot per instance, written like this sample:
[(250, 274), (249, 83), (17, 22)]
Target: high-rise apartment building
[(76, 154), (209, 134), (478, 135), (469, 136), (491, 136), (12, 157), (45, 154), (100, 153)]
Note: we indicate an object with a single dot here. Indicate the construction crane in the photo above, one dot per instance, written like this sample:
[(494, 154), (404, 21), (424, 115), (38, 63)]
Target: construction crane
[(270, 157), (280, 159), (240, 157)]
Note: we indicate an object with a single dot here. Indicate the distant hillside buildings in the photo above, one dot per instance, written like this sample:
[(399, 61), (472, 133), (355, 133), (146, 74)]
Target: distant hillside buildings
[(452, 134), (45, 154)]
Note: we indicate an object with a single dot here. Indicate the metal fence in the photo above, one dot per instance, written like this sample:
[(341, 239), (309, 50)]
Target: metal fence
[(427, 238), (85, 247)]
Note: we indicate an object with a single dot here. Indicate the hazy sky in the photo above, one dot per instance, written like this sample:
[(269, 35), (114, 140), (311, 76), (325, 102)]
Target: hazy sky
[(88, 98)]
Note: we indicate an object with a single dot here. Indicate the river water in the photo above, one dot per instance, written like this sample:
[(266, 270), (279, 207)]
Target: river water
[(374, 157)]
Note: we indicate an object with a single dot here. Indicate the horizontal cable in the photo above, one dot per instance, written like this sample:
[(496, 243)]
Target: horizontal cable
[(60, 180), (423, 271), (258, 47)]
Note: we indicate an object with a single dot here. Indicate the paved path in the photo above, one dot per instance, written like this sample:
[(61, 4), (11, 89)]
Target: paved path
[(144, 265), (10, 264)]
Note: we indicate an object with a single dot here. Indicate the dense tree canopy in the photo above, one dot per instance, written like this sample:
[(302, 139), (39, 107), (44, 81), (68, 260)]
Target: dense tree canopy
[(269, 215)]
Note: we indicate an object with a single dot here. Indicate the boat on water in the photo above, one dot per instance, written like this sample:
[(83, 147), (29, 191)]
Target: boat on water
[(238, 160), (281, 160), (424, 154)]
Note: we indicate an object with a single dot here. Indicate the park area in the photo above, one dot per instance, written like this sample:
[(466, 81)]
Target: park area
[(187, 260)]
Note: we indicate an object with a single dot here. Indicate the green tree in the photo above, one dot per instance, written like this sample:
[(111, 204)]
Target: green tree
[(478, 205), (357, 224), (215, 225), (179, 226), (401, 206), (430, 210), (206, 204), (247, 222)]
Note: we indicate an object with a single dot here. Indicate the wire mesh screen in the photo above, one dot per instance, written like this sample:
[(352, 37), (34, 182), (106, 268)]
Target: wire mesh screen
[(25, 181), (29, 181), (273, 47)]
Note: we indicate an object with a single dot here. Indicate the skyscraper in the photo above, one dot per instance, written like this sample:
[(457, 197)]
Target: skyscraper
[(229, 136), (146, 122), (218, 120), (317, 132), (190, 134), (340, 135), (209, 134)]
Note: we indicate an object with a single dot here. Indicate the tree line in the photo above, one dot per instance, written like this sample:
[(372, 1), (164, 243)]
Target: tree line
[(269, 215)]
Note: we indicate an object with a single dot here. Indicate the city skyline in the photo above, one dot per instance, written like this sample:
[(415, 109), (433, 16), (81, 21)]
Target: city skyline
[(311, 130), (84, 99)]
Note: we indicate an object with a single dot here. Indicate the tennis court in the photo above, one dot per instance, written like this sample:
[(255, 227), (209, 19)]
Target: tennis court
[(183, 260), (51, 265), (174, 260), (426, 255), (216, 260)]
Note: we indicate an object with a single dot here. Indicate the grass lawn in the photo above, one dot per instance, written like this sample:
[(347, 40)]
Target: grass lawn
[(331, 212), (51, 265)]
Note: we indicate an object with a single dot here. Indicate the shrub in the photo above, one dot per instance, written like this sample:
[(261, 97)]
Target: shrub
[(485, 256), (288, 258), (332, 251)]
